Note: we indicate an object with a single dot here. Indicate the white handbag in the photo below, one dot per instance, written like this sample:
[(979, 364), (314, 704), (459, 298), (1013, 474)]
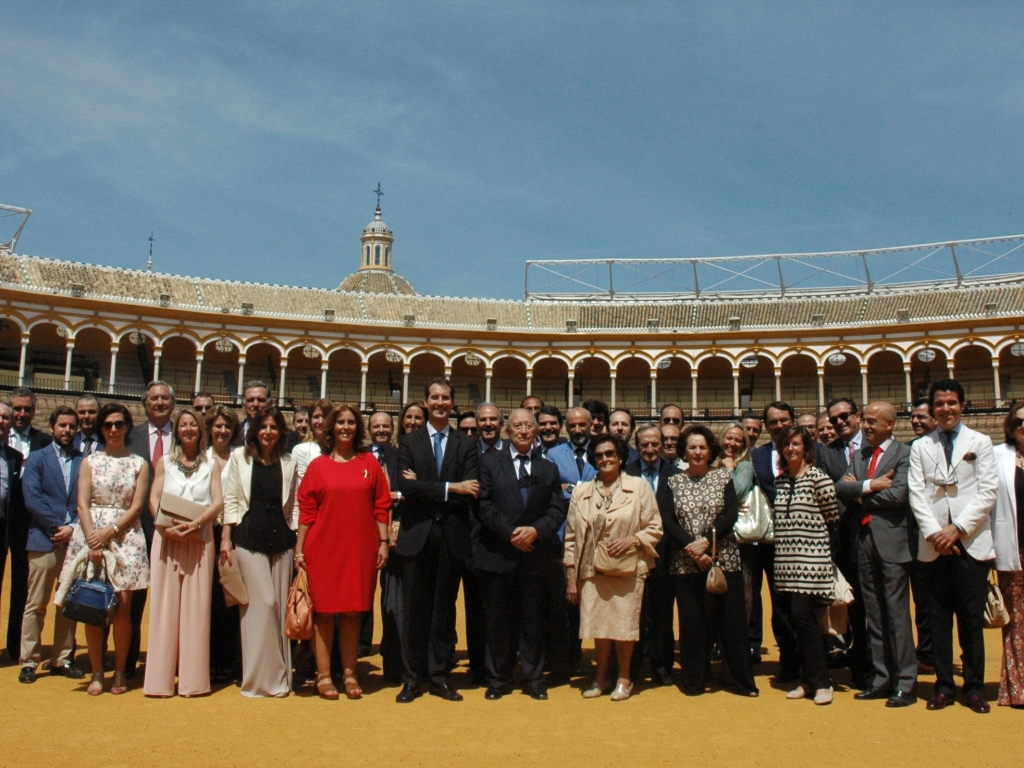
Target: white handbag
[(755, 521)]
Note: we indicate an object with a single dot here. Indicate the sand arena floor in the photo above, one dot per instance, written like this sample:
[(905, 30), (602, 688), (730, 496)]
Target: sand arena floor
[(54, 722)]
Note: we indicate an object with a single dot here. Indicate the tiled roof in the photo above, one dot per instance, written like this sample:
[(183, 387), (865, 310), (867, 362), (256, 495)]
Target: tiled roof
[(370, 281)]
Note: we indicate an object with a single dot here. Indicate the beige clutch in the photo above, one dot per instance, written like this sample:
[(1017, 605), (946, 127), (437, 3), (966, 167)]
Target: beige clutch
[(176, 509), (232, 584)]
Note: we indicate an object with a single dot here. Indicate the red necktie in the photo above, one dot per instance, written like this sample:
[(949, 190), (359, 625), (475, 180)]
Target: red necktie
[(158, 449), (866, 520)]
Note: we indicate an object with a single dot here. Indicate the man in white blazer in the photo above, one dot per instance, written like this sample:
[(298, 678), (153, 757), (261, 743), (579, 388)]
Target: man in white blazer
[(953, 482)]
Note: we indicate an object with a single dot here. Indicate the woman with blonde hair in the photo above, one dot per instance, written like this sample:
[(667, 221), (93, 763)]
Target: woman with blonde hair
[(182, 563)]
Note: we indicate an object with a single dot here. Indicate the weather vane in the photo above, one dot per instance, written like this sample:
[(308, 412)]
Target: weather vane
[(149, 264), (378, 193)]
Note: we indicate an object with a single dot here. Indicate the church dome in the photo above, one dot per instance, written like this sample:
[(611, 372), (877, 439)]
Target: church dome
[(376, 273)]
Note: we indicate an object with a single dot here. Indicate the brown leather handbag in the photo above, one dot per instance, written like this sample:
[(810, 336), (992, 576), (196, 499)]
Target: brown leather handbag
[(716, 582), (299, 612)]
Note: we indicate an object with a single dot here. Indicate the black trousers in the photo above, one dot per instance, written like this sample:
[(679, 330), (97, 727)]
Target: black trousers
[(473, 596), (518, 594), (758, 564), (805, 613), (225, 628), (14, 537), (391, 611), (922, 613), (559, 642), (699, 613), (657, 636), (139, 605), (958, 585), (859, 653), (430, 582)]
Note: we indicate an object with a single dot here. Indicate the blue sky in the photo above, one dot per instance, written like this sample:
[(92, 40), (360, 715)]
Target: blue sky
[(249, 136)]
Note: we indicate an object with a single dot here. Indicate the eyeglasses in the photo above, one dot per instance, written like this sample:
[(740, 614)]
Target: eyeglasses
[(113, 425), (606, 455), (845, 416), (779, 422)]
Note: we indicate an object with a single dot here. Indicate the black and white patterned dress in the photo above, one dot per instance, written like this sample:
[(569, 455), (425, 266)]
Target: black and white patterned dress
[(804, 508), (698, 503)]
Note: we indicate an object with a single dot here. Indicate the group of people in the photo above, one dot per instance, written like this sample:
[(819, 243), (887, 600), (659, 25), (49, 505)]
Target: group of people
[(556, 528)]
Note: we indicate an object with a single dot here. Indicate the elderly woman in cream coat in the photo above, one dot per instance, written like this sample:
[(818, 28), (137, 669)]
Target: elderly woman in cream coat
[(610, 537)]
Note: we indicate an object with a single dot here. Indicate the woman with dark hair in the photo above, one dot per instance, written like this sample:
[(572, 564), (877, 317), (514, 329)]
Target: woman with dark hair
[(222, 426), (112, 486), (412, 416), (181, 566), (806, 514), (259, 504), (611, 532), (706, 510), (1008, 540), (344, 504)]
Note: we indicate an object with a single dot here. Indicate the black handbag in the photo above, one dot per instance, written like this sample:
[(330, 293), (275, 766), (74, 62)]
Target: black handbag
[(91, 601)]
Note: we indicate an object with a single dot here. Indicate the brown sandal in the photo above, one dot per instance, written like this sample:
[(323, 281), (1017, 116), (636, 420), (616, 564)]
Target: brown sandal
[(119, 684), (325, 687), (96, 684), (352, 689)]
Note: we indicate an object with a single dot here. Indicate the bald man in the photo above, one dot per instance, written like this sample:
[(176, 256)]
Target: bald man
[(877, 496)]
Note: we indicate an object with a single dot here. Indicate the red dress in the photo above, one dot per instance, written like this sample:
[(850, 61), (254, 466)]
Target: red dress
[(342, 502)]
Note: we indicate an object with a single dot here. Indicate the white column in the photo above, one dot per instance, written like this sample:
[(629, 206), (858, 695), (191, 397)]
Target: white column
[(241, 375), (654, 391), (199, 371), (995, 381), (24, 355), (529, 381), (821, 389), (910, 385), (405, 381), (448, 372), (363, 368), (614, 375), (571, 386), (114, 346), (778, 383), (324, 365), (488, 374), (158, 352), (280, 389), (693, 391), (951, 367), (67, 364), (735, 391), (863, 386)]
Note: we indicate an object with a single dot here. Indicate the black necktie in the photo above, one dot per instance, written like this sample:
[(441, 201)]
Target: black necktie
[(579, 461), (380, 457), (524, 477)]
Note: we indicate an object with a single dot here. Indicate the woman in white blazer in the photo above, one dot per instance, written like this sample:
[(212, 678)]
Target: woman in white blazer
[(259, 522), (1006, 534)]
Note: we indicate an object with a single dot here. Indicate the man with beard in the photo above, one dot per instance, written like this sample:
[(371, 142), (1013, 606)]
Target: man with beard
[(549, 428)]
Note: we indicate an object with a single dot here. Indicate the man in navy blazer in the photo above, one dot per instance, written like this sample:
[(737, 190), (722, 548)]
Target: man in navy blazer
[(13, 527), (657, 636), (433, 540), (515, 545), (88, 439), (50, 486)]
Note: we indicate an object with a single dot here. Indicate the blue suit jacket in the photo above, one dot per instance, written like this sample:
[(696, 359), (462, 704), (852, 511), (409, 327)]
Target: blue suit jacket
[(47, 501), (565, 460)]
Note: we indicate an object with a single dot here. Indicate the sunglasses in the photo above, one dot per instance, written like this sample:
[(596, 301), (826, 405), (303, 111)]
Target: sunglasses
[(606, 455), (672, 420), (779, 422), (113, 425), (1016, 424), (468, 430), (202, 408), (834, 420)]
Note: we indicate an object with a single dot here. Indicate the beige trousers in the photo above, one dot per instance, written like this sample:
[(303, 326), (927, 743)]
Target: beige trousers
[(266, 650), (43, 570)]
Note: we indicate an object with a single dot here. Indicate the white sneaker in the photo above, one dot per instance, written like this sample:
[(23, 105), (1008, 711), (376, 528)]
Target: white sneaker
[(799, 692), (823, 696)]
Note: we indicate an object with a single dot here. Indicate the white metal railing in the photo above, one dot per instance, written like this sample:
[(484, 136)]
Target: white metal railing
[(780, 274)]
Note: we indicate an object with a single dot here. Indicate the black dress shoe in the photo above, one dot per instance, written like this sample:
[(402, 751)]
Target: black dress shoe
[(871, 693), (27, 675), (67, 670), (445, 691), (494, 692), (901, 699), (662, 676), (408, 693), (940, 701), (859, 681), (536, 691), (978, 704)]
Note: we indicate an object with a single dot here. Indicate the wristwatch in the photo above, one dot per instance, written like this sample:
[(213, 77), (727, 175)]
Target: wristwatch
[(117, 528)]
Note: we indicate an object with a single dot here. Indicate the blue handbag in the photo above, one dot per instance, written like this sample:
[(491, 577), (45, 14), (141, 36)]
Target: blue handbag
[(91, 601)]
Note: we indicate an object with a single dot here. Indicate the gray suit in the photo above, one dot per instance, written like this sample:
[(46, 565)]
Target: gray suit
[(883, 563)]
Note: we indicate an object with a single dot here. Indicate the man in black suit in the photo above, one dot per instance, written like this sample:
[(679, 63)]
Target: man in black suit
[(515, 544), (152, 441), (14, 523), (657, 637), (382, 428), (23, 437), (759, 557), (836, 459), (877, 499), (256, 397), (433, 540)]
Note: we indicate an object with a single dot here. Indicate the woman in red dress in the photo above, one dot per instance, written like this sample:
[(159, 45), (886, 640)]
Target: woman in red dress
[(344, 506)]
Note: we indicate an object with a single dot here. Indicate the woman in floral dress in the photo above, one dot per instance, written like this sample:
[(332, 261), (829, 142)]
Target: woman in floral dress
[(112, 488)]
